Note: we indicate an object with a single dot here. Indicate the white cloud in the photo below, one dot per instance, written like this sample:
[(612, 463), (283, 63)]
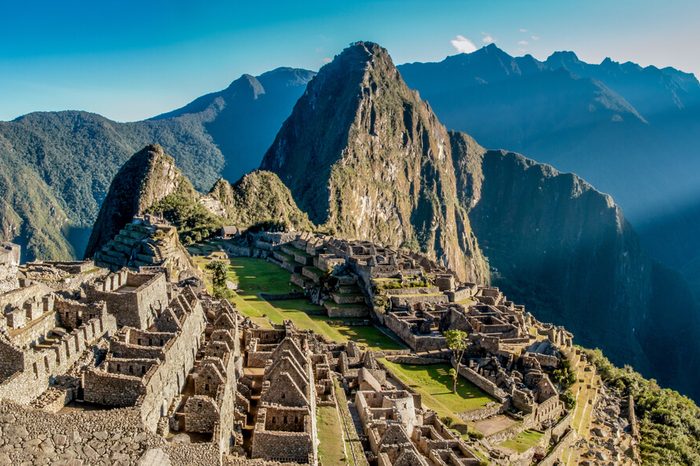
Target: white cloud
[(523, 42), (535, 37), (487, 39), (462, 44), (327, 59), (523, 30)]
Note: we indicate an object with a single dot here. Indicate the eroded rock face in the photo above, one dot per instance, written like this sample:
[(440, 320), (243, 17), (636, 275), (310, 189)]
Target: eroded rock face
[(365, 157), (147, 177)]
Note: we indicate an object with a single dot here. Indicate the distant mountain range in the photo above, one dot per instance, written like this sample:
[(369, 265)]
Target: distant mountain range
[(57, 166), (631, 131)]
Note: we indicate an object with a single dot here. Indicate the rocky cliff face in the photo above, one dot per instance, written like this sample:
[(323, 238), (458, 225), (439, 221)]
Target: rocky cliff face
[(567, 252), (563, 247), (146, 178), (382, 163)]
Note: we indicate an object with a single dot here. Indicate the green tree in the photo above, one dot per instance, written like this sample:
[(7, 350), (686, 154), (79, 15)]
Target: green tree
[(458, 342), (219, 273)]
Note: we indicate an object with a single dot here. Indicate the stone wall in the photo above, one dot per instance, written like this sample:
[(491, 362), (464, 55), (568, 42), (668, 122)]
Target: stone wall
[(418, 343), (132, 306), (491, 409), (480, 381), (40, 366), (439, 358), (113, 437), (171, 374), (11, 359), (282, 446), (109, 389), (562, 426), (409, 300), (554, 455)]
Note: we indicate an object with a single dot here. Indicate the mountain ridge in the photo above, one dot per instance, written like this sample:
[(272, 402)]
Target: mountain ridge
[(70, 157)]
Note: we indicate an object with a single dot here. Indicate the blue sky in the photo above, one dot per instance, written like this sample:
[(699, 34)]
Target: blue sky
[(133, 59)]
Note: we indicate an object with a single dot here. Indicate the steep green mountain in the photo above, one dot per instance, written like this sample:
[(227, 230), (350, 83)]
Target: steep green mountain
[(365, 157), (615, 124), (148, 177), (385, 169), (69, 158), (150, 183)]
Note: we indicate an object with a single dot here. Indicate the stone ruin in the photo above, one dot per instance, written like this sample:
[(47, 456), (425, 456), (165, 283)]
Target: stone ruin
[(147, 244), (183, 378), (135, 352), (286, 375)]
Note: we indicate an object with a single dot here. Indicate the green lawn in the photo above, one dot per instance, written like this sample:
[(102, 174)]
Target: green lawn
[(255, 276), (434, 384), (524, 441), (259, 276), (330, 436)]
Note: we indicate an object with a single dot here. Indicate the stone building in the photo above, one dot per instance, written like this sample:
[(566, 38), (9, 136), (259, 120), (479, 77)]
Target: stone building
[(135, 299), (400, 432), (148, 368), (285, 424)]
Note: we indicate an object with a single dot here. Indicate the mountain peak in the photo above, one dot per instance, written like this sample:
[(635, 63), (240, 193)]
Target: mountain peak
[(382, 162), (564, 58), (147, 177), (247, 84)]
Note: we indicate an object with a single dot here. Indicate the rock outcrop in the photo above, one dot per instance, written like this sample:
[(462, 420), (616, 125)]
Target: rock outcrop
[(365, 157), (257, 198), (147, 177)]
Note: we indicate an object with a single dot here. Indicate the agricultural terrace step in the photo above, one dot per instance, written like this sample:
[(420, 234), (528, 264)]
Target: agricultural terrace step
[(313, 273), (344, 280), (349, 289), (413, 291), (347, 298), (295, 251), (346, 310)]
